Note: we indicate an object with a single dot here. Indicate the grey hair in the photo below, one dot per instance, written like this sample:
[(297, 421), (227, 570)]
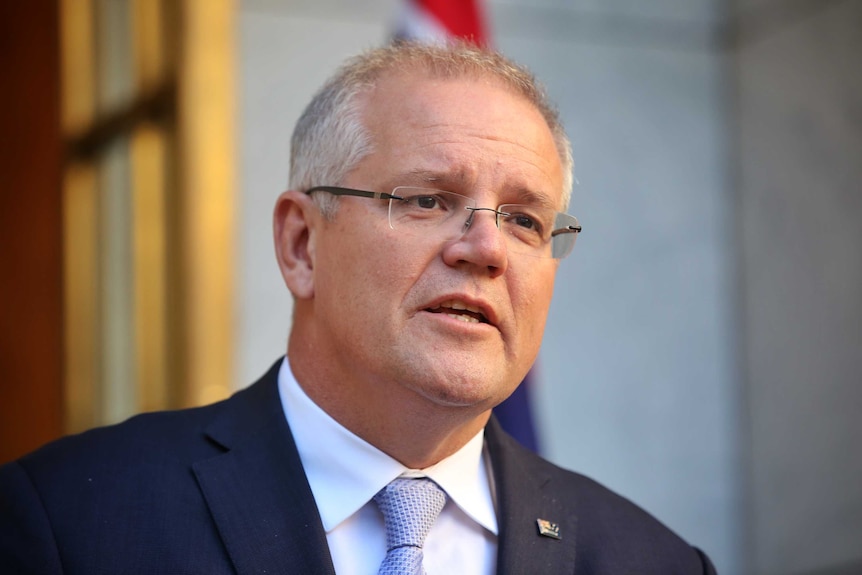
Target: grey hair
[(330, 139)]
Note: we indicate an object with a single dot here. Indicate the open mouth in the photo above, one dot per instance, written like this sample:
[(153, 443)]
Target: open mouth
[(460, 311)]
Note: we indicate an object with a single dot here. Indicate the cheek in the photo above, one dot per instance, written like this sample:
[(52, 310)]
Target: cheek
[(367, 274), (340, 277), (531, 301)]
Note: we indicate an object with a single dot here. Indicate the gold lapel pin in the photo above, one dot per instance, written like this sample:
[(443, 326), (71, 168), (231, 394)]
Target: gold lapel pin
[(548, 529)]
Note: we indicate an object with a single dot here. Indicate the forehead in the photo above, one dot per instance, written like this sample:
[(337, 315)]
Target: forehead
[(461, 129), (399, 91)]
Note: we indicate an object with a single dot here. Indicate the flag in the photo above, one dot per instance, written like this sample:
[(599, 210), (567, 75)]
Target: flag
[(437, 21)]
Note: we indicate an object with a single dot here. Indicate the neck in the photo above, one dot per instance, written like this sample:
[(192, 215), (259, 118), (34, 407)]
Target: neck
[(414, 430)]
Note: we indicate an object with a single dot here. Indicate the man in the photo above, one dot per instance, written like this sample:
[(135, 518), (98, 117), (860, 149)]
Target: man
[(420, 239)]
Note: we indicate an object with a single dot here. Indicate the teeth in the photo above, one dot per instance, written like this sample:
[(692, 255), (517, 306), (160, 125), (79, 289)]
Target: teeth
[(461, 306), (454, 304), (467, 318)]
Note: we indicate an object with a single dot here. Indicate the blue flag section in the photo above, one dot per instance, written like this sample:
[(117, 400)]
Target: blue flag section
[(516, 416)]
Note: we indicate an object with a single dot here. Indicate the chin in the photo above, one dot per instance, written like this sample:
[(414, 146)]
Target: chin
[(465, 392), (453, 378)]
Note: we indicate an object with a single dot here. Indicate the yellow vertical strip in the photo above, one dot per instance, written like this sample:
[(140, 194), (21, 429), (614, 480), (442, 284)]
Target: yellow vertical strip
[(149, 248), (149, 30), (206, 114), (81, 334), (77, 32), (80, 223), (149, 216)]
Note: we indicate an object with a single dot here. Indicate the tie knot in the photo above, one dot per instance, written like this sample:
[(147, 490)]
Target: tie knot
[(410, 507)]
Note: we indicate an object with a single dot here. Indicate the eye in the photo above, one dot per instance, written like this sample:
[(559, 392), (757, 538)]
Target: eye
[(427, 202), (524, 221)]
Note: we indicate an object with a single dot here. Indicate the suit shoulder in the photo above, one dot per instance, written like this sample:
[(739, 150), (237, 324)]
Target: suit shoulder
[(600, 504), (613, 523), (159, 436), (590, 497), (140, 436), (614, 534)]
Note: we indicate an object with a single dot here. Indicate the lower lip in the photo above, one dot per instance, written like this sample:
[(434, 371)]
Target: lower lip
[(455, 323)]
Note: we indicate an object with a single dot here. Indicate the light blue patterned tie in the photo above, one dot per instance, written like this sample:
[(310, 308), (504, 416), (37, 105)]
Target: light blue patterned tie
[(410, 507)]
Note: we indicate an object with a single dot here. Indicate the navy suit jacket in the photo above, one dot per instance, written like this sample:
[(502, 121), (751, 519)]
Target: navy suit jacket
[(221, 489)]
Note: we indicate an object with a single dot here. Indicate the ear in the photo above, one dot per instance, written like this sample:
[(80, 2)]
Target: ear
[(293, 226)]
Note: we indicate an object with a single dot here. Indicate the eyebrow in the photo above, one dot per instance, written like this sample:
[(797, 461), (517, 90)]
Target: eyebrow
[(531, 197), (433, 177), (456, 180)]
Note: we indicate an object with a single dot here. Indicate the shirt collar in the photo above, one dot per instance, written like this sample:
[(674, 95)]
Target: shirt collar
[(345, 472)]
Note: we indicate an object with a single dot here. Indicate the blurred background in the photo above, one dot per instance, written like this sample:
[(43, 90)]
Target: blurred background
[(704, 351)]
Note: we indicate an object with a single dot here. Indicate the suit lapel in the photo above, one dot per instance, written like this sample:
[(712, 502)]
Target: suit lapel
[(525, 494), (257, 491)]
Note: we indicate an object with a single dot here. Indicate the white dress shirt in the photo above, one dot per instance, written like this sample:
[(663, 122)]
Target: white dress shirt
[(345, 472)]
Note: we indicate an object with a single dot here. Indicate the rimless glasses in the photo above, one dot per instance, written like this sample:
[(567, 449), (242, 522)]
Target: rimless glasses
[(530, 230)]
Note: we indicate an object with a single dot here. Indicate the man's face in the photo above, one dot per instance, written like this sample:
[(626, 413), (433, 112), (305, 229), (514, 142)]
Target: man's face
[(384, 301)]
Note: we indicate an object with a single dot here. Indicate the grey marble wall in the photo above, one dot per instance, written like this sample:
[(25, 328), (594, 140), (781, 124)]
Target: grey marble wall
[(798, 70), (287, 50), (638, 384)]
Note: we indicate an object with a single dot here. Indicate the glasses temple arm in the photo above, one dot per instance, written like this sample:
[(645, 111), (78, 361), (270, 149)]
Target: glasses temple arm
[(566, 230)]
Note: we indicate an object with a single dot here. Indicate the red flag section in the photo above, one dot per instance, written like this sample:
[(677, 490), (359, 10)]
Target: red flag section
[(440, 20), (460, 18)]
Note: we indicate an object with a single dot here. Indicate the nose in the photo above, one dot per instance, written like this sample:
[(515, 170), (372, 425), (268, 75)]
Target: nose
[(481, 244), (497, 214)]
